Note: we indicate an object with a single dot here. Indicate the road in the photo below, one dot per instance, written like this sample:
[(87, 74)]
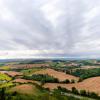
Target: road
[(77, 96)]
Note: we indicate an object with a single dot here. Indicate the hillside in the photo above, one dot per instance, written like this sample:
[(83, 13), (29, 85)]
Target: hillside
[(60, 75), (91, 84)]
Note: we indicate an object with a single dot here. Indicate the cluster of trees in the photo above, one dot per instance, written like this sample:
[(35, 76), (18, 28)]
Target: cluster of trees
[(81, 92), (85, 93), (68, 81), (57, 94), (86, 73), (56, 64), (47, 79), (87, 62), (45, 95), (42, 78), (2, 94)]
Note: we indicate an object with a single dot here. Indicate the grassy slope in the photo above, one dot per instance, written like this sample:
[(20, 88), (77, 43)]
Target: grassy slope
[(32, 92), (5, 67), (4, 77), (30, 71)]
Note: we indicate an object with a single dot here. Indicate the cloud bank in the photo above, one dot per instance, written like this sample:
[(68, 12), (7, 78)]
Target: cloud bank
[(57, 28)]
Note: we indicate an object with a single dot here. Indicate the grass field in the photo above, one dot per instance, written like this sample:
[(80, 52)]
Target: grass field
[(4, 77), (30, 71), (5, 68), (31, 92), (25, 89), (5, 85)]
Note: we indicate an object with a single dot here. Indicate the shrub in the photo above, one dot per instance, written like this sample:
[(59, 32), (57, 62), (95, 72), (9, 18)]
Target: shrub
[(72, 81), (80, 80), (42, 78), (66, 81), (74, 90), (83, 93)]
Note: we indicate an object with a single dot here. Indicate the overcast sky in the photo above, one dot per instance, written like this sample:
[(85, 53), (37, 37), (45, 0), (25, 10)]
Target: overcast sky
[(49, 28)]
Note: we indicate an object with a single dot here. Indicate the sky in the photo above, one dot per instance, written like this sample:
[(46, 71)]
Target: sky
[(49, 28)]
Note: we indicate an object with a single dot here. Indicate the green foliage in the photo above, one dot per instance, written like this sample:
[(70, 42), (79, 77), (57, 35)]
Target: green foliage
[(59, 96), (4, 77), (7, 84), (43, 95), (72, 81), (43, 78), (1, 64), (83, 93), (66, 81), (86, 73), (5, 68), (80, 80), (93, 95), (61, 89), (2, 94), (74, 90), (57, 64), (30, 71)]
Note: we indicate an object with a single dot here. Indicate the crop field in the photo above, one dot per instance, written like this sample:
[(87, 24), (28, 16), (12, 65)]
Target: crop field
[(30, 71), (5, 68), (91, 84), (53, 80), (60, 75)]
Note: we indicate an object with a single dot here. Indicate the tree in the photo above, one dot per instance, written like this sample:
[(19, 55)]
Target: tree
[(94, 95), (66, 81), (83, 92), (72, 81), (74, 90), (80, 80), (2, 94)]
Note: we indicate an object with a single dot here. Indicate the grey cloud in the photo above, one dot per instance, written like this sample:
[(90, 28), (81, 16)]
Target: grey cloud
[(31, 29)]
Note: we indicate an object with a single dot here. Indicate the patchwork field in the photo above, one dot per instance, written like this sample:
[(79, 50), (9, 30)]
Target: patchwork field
[(5, 68), (25, 89), (25, 81), (30, 71), (30, 81), (4, 77), (91, 84), (6, 85), (26, 66), (60, 75), (88, 67), (12, 73)]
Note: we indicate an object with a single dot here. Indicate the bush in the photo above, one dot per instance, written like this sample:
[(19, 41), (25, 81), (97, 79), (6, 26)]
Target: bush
[(74, 90), (80, 80), (42, 78), (66, 81), (61, 89), (86, 73), (83, 93), (93, 95), (72, 81)]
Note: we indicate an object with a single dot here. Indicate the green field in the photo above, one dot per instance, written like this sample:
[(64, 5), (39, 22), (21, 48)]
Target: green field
[(4, 77), (5, 68), (30, 71)]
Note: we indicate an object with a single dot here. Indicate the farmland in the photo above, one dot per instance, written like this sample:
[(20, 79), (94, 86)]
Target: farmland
[(91, 84), (50, 80), (60, 75)]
